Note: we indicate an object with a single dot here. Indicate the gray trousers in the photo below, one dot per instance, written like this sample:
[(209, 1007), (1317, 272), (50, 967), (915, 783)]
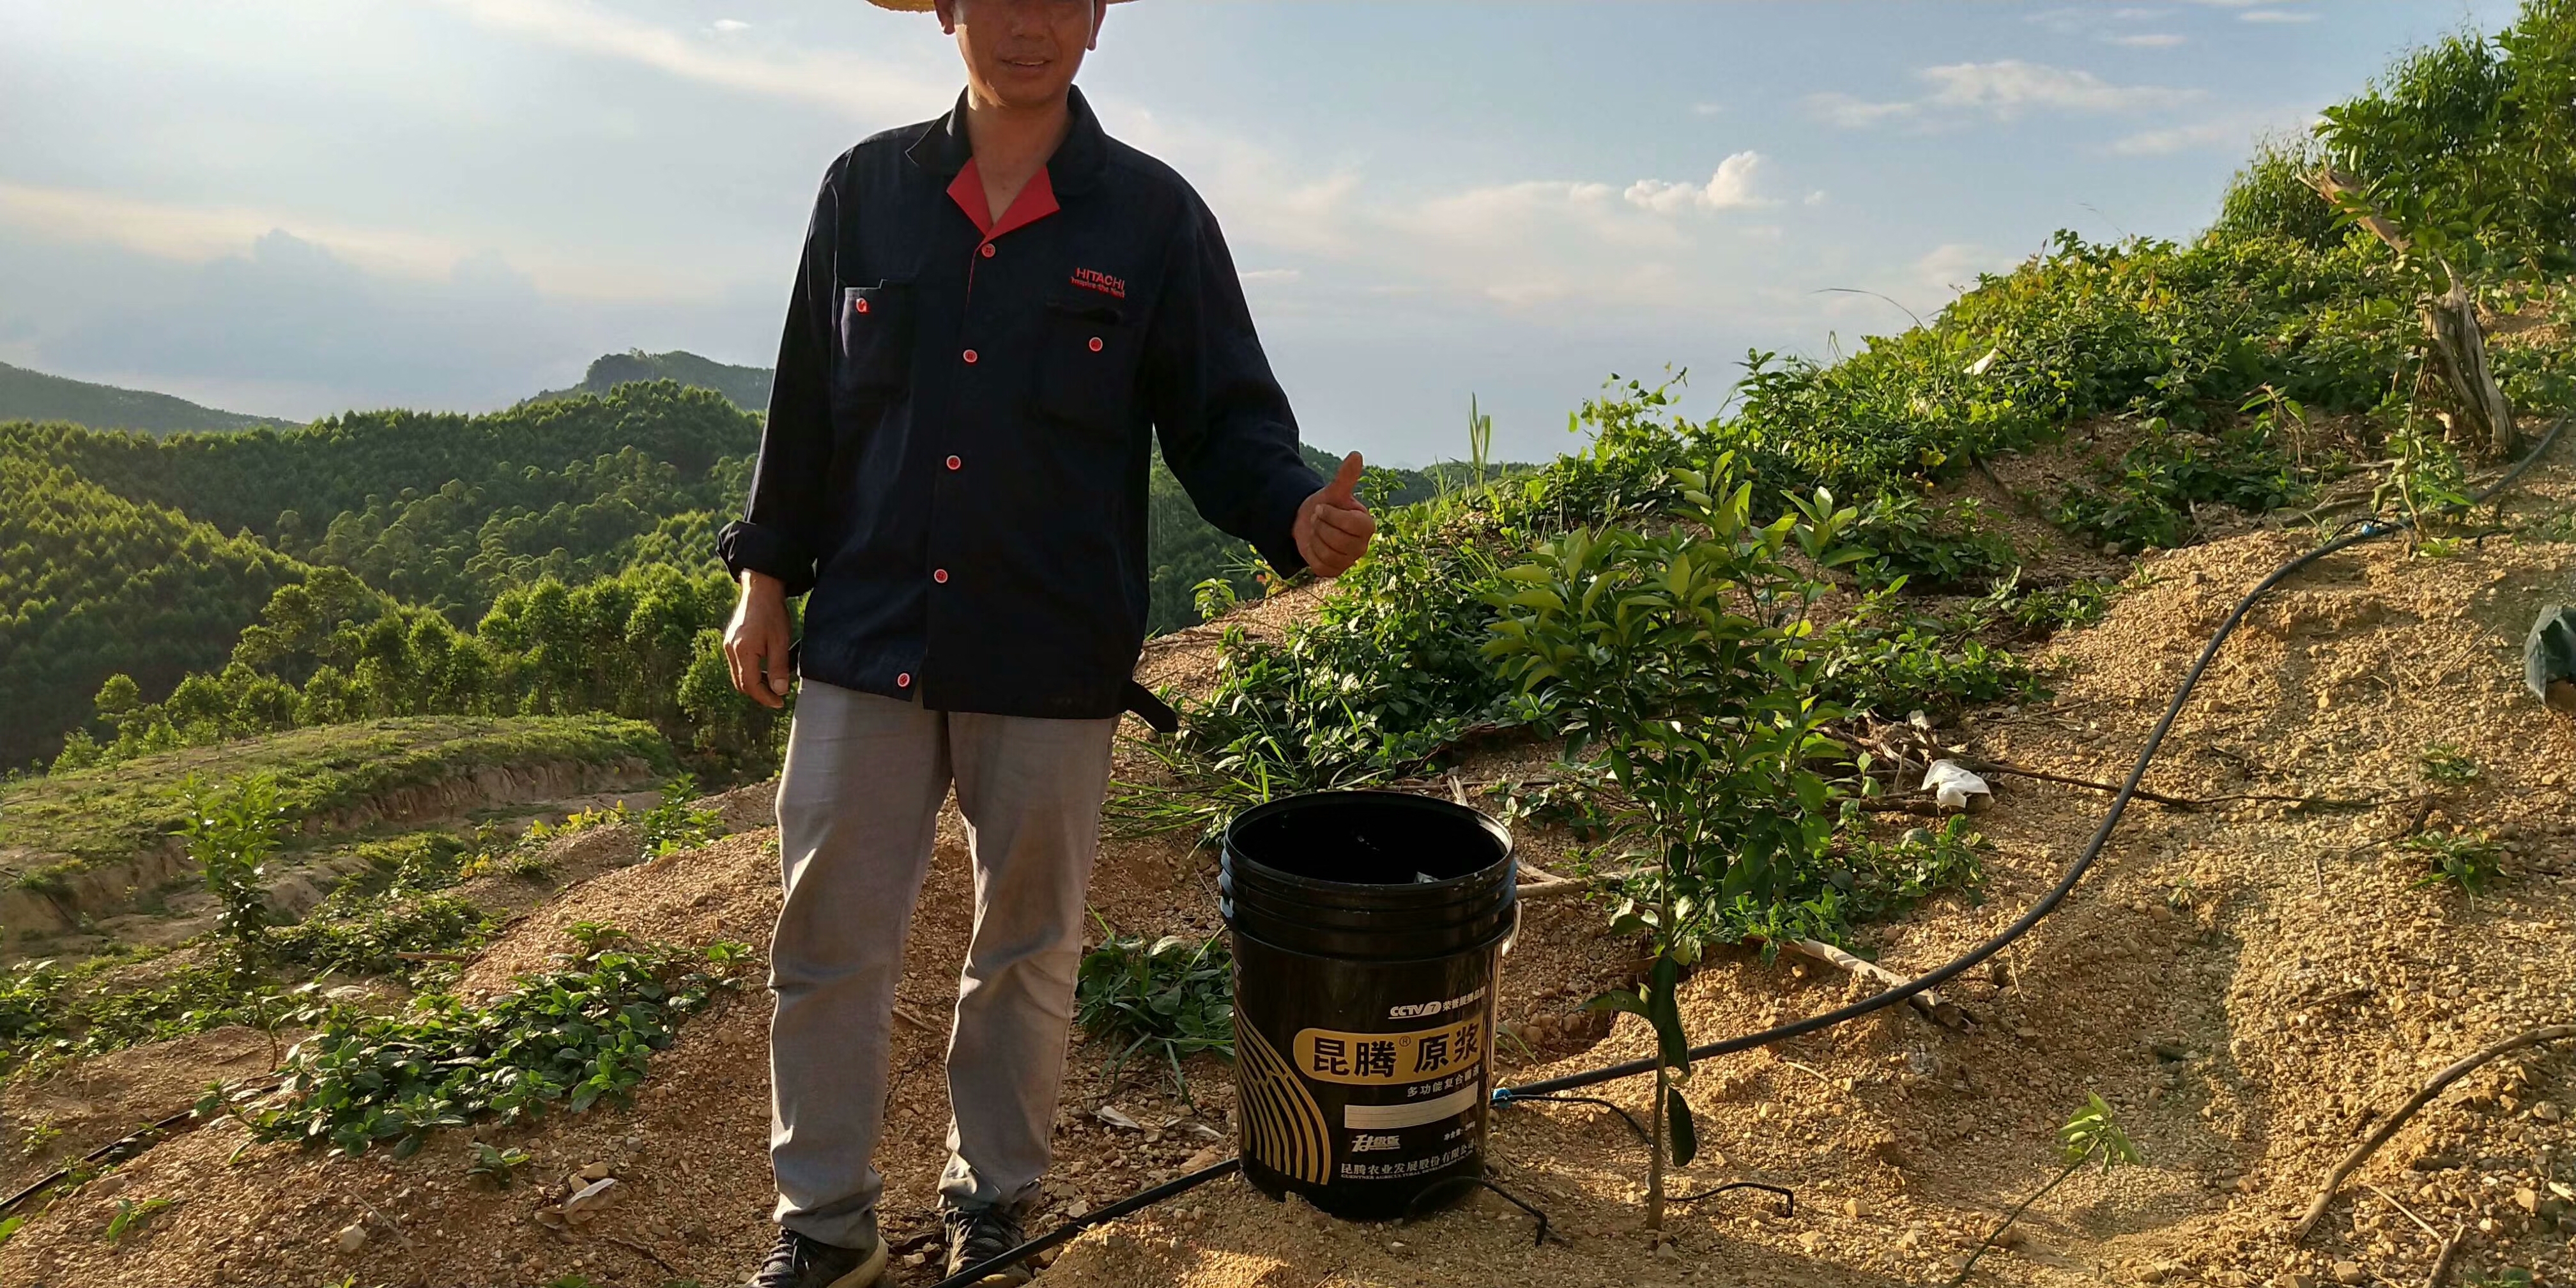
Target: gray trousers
[(858, 811)]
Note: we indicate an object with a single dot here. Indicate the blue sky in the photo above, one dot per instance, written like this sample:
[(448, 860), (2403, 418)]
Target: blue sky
[(294, 207)]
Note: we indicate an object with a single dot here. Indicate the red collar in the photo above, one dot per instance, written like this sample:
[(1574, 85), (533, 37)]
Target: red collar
[(1035, 202)]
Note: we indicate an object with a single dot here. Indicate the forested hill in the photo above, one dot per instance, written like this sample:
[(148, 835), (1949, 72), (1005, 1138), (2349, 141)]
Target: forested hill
[(33, 395), (744, 387), (558, 557)]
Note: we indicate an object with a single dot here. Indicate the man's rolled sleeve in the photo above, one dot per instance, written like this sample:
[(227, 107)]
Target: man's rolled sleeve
[(782, 530), (1226, 427)]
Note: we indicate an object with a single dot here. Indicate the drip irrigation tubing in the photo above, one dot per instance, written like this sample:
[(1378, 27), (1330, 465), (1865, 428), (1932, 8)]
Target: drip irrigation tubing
[(1552, 1088), (1136, 1202), (2370, 530)]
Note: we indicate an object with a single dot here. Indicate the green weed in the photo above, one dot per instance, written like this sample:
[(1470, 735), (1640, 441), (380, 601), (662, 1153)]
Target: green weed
[(570, 1038), (674, 824), (1935, 549), (2093, 1135), (499, 1166), (1172, 998), (2444, 765), (2469, 860), (131, 1216)]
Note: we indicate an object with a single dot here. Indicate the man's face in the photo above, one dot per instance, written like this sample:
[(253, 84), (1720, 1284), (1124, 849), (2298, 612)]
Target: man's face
[(1022, 53)]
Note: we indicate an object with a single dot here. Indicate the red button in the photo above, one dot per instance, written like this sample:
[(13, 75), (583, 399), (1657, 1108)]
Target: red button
[(988, 250), (970, 357), (939, 575), (860, 307), (956, 464), (903, 681), (1095, 344)]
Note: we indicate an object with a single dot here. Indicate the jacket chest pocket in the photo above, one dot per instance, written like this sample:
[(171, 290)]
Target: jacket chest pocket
[(872, 361), (1086, 368)]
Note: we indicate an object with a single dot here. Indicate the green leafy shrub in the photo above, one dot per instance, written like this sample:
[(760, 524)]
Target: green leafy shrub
[(2146, 498), (1684, 655), (674, 824), (570, 1039), (365, 937), (1895, 663), (2045, 610), (231, 839), (1934, 549), (2270, 197)]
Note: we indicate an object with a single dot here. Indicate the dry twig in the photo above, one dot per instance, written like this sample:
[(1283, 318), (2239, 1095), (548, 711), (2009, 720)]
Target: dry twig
[(1933, 1006), (2450, 1256), (2388, 1126), (2177, 802)]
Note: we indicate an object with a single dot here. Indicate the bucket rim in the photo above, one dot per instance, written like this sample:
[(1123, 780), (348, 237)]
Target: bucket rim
[(1233, 853)]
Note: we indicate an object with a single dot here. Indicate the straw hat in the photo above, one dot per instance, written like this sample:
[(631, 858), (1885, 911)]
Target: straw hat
[(923, 6)]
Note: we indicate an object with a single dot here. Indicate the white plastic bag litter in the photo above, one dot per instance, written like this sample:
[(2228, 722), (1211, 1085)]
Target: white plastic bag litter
[(1951, 783)]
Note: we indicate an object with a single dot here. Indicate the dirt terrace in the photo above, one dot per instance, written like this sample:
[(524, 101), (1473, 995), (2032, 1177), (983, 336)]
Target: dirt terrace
[(2250, 987)]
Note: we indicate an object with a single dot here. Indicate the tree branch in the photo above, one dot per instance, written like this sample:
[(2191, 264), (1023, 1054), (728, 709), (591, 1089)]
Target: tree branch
[(2388, 1126)]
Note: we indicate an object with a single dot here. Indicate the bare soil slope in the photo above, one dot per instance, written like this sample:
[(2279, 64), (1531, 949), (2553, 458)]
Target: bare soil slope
[(2250, 985)]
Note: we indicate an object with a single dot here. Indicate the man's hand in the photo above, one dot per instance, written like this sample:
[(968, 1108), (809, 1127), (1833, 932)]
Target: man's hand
[(756, 642), (1333, 528)]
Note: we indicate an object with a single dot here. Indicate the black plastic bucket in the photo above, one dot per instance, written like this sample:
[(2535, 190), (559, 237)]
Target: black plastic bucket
[(1368, 930)]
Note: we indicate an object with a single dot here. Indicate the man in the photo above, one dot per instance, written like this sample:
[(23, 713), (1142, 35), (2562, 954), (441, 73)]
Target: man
[(997, 313)]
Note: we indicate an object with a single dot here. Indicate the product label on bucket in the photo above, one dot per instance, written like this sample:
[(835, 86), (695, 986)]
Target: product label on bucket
[(1390, 1059)]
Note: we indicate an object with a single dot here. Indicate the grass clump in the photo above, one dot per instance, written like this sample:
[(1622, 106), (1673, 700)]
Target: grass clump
[(1169, 998), (569, 1038)]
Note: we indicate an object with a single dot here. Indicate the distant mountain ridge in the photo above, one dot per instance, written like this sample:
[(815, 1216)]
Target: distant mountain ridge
[(744, 387), (33, 395)]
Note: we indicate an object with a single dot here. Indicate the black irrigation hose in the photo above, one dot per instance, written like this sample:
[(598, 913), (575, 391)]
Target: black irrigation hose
[(1137, 1202), (1548, 1090), (1788, 1197), (1633, 1124), (2369, 531)]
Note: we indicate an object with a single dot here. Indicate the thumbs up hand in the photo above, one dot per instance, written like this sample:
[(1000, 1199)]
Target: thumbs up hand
[(1333, 528)]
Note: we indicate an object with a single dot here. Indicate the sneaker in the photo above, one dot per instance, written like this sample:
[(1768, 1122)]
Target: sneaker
[(977, 1235), (798, 1262)]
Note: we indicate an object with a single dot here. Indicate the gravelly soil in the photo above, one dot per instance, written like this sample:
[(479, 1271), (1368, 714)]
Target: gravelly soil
[(2249, 986)]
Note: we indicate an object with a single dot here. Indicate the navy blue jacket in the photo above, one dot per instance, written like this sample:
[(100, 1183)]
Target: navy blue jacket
[(959, 435)]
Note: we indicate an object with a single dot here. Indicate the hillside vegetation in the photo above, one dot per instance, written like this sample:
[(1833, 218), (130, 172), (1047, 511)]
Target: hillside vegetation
[(1700, 667), (745, 387), (33, 395), (556, 557), (54, 826)]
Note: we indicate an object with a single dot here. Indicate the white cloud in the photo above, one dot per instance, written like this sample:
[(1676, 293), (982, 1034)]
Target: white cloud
[(198, 234), (2148, 40), (729, 26), (2275, 15), (2011, 86), (1708, 109), (869, 91), (1731, 188), (2231, 132), (1837, 108), (1953, 267), (2004, 90)]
